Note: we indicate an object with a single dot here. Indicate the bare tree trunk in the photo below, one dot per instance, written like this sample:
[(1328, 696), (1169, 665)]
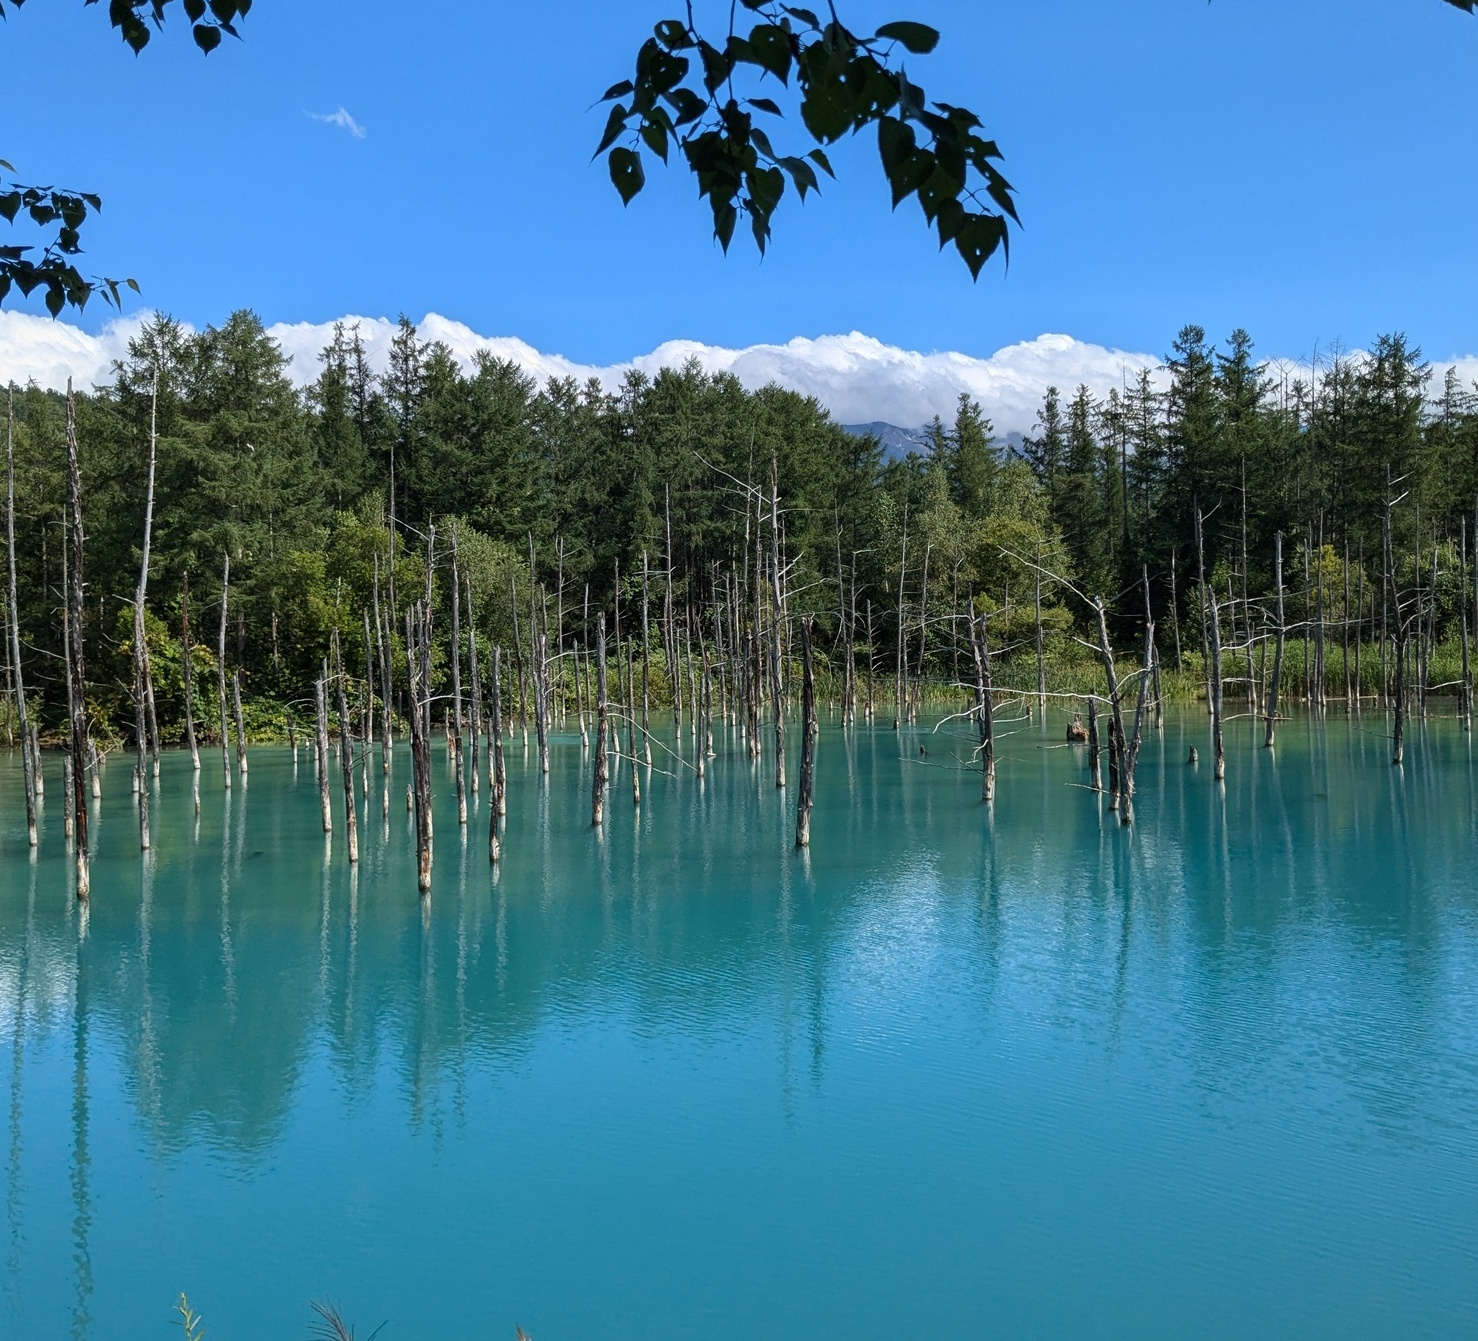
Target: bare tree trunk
[(646, 667), (28, 758), (984, 710), (808, 738), (418, 635), (476, 721), (1282, 635), (77, 676), (457, 756), (221, 675), (631, 724), (538, 666), (1130, 759), (495, 750), (346, 755), (320, 748), (1359, 623), (1095, 773), (777, 578), (1041, 660), (240, 722), (918, 686), (1219, 767), (1116, 714), (523, 712), (1175, 615), (1398, 735), (387, 708), (139, 637), (602, 711), (902, 573)]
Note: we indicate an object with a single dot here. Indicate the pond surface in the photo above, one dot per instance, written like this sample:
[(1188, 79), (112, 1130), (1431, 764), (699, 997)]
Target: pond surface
[(955, 1073)]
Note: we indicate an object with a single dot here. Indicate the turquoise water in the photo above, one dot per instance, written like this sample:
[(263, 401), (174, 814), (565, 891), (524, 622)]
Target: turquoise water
[(954, 1073)]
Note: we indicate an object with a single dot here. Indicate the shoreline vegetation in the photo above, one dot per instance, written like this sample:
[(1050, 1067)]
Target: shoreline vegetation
[(200, 555)]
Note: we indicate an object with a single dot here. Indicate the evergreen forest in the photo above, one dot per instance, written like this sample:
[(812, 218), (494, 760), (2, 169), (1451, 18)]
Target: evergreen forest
[(682, 498)]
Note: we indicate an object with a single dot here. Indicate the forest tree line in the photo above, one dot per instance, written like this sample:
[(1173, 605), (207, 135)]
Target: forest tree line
[(673, 484)]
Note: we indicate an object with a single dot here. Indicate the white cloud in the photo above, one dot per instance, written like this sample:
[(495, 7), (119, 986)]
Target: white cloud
[(858, 378), (37, 349), (342, 119)]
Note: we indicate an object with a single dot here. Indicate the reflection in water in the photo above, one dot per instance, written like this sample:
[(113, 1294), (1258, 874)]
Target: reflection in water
[(1037, 1038)]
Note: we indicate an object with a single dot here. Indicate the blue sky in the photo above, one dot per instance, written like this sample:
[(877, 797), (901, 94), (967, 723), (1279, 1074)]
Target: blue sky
[(1303, 168)]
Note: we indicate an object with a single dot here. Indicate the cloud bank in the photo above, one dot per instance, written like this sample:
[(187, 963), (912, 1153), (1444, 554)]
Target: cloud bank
[(859, 379)]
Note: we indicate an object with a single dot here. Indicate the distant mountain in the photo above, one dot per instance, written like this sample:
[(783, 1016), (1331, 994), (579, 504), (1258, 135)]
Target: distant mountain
[(899, 442)]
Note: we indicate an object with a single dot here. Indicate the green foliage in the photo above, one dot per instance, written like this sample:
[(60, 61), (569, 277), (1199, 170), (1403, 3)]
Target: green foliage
[(705, 98)]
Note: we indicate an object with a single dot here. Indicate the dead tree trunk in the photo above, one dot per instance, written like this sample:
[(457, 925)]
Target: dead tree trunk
[(497, 781), (320, 748), (984, 710), (189, 673), (77, 676), (387, 710), (808, 738), (631, 724), (1116, 713), (28, 758), (418, 654), (523, 712), (602, 712), (221, 675), (457, 755), (777, 579), (1208, 595), (646, 667), (240, 722), (346, 755), (1130, 758), (1281, 638), (139, 642), (1041, 660), (1095, 770), (475, 721), (1398, 735), (902, 572)]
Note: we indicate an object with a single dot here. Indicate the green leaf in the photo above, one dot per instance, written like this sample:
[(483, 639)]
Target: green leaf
[(725, 216), (207, 38), (673, 35), (910, 175), (687, 104), (977, 240), (935, 191), (769, 47), (56, 298), (627, 174), (895, 143), (802, 174), (654, 135), (808, 18), (10, 205), (615, 124), (819, 158), (918, 38), (616, 91), (763, 105)]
